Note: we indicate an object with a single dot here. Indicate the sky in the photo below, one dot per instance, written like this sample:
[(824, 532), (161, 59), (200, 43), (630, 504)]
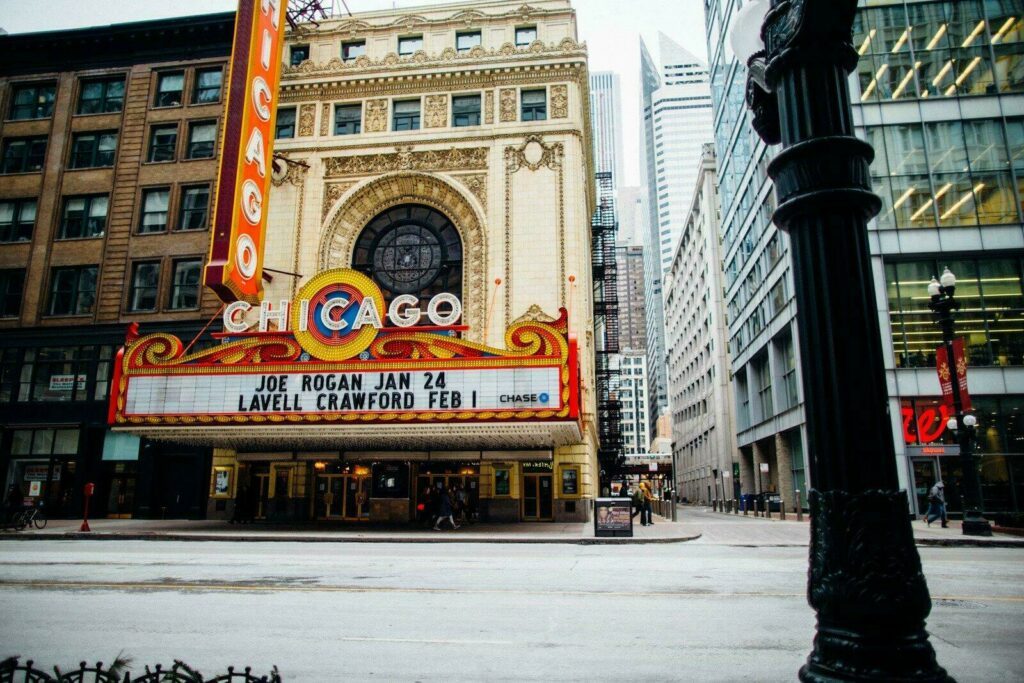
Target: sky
[(611, 29)]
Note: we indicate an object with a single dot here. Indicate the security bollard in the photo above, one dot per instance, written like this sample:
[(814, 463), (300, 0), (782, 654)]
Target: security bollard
[(745, 509), (799, 508), (782, 509), (714, 505), (735, 506)]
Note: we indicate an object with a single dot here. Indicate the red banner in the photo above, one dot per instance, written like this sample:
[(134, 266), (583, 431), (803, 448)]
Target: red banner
[(945, 374), (946, 371), (235, 267), (960, 363)]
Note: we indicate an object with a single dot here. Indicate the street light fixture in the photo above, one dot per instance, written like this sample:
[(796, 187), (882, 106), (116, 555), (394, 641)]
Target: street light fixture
[(865, 580), (943, 303)]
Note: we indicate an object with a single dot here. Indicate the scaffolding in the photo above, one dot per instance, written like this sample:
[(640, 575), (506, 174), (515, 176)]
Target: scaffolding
[(604, 228)]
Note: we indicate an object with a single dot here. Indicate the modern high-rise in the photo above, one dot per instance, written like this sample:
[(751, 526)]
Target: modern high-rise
[(631, 203), (703, 431), (606, 123), (939, 93), (632, 367), (632, 318), (676, 121)]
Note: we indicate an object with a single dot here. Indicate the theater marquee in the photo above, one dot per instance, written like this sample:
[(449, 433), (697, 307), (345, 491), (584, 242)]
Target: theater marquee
[(332, 357)]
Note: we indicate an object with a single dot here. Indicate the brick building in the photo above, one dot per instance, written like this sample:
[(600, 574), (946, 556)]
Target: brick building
[(108, 140)]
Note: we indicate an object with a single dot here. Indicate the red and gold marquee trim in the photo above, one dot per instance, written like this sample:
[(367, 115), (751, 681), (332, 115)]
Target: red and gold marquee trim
[(528, 344)]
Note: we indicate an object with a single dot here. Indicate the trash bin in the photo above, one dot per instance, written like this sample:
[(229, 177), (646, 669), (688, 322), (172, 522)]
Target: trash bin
[(747, 502)]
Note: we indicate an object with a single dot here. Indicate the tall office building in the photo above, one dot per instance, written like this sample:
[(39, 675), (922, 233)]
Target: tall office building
[(703, 431), (938, 93), (606, 123), (632, 216), (676, 119), (632, 318), (632, 367)]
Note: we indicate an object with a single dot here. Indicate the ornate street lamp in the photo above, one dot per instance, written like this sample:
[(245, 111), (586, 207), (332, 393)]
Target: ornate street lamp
[(943, 303), (865, 580)]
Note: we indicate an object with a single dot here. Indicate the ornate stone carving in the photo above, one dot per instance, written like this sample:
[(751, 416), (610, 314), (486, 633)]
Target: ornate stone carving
[(307, 116), (507, 104), (435, 111), (393, 60), (375, 116), (560, 101), (477, 184), (489, 106), (534, 314), (380, 194), (332, 193), (325, 119), (533, 154), (404, 159)]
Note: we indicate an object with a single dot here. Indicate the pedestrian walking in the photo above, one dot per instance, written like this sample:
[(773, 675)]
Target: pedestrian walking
[(937, 504), (647, 509), (444, 509)]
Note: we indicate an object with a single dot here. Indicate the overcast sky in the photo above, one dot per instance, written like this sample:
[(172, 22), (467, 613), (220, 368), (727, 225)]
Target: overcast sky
[(611, 28)]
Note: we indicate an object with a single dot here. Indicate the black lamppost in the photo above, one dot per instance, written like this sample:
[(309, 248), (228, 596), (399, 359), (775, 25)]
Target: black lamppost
[(943, 303), (865, 580)]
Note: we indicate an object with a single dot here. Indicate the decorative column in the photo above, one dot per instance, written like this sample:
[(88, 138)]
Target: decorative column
[(865, 580)]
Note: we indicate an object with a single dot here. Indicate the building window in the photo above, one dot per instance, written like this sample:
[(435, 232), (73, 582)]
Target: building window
[(201, 138), (525, 35), (195, 206), (24, 155), (356, 48), (32, 101), (502, 481), (54, 374), (534, 105), (284, 127), (466, 41), (991, 296), (208, 85), (788, 356), (144, 286), (17, 219), (465, 111), (84, 217), (154, 210), (348, 119), (406, 115), (409, 44), (162, 142), (73, 290), (101, 96), (298, 54), (185, 284), (168, 89), (762, 370), (12, 283), (411, 249), (93, 150)]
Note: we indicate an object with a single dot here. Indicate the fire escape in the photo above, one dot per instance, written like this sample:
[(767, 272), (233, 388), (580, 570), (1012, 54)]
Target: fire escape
[(604, 228)]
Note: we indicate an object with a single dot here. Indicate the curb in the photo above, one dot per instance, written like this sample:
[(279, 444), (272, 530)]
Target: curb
[(79, 536), (966, 543)]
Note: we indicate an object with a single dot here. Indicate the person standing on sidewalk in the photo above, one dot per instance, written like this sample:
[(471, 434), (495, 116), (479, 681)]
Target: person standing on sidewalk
[(444, 509), (937, 504), (647, 505)]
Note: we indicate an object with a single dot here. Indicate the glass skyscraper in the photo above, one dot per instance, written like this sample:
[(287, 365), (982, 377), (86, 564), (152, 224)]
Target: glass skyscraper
[(939, 93)]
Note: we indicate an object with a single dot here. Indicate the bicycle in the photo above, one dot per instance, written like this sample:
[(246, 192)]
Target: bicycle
[(32, 516)]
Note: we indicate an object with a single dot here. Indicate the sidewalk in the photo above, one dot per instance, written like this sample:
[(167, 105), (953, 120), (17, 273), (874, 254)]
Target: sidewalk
[(662, 531), (694, 523)]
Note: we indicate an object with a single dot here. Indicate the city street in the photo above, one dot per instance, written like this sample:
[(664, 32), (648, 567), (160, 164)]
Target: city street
[(719, 608)]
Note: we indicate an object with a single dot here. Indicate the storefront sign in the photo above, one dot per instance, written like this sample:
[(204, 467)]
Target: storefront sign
[(764, 468), (35, 488), (345, 392), (332, 359), (38, 472), (66, 382), (235, 267), (928, 426), (937, 449)]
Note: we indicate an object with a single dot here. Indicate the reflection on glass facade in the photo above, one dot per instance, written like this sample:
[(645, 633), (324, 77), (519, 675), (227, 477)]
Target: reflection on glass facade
[(939, 49), (991, 317), (948, 173)]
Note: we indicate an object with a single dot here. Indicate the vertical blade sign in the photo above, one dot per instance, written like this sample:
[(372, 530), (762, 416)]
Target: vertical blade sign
[(235, 267)]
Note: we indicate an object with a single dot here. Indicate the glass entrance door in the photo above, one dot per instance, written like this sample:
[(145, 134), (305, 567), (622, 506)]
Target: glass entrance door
[(343, 497), (261, 481), (925, 475), (538, 497)]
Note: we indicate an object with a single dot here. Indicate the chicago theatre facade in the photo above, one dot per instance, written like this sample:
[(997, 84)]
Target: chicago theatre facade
[(425, 317)]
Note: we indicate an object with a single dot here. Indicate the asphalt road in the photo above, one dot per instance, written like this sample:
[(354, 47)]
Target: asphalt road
[(321, 612)]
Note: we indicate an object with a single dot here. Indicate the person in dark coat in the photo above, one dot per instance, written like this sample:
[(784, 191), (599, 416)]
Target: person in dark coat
[(937, 504), (444, 509)]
